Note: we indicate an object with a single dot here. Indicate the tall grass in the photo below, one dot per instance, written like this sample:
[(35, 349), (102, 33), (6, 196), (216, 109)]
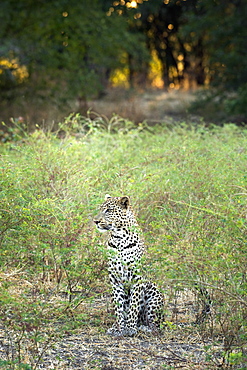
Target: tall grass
[(188, 186)]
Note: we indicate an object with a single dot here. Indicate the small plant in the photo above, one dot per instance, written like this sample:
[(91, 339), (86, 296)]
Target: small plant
[(14, 131)]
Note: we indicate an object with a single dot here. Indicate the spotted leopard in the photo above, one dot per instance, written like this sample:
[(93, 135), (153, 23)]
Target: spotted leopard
[(138, 303)]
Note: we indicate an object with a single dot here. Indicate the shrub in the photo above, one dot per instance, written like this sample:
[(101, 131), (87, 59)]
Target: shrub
[(188, 186)]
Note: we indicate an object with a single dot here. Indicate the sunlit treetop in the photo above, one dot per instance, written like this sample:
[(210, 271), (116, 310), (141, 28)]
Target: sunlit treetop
[(119, 6), (130, 4), (135, 3)]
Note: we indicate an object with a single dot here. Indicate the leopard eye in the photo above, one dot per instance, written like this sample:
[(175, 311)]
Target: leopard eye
[(107, 211)]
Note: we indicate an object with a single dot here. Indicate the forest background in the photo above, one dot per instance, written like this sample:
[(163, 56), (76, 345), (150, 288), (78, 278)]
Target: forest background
[(59, 55)]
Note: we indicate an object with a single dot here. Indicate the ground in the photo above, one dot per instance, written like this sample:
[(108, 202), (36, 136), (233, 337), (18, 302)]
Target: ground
[(180, 344), (151, 106)]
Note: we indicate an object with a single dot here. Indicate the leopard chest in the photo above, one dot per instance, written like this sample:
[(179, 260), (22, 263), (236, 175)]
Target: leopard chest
[(124, 256)]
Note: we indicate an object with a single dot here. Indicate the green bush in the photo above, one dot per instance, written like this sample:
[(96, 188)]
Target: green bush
[(238, 104), (188, 187), (221, 106)]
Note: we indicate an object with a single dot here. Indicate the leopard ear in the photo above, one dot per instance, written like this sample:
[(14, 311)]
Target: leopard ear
[(124, 202), (107, 196)]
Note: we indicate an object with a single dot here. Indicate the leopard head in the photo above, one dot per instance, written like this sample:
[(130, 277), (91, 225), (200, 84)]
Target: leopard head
[(115, 214)]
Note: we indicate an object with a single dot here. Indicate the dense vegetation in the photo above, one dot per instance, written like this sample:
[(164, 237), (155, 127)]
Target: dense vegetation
[(188, 186)]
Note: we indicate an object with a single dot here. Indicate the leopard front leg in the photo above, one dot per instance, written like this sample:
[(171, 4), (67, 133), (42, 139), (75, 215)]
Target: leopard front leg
[(120, 299)]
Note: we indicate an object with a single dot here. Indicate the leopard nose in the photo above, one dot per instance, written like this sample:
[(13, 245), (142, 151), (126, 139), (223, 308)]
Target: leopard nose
[(96, 221)]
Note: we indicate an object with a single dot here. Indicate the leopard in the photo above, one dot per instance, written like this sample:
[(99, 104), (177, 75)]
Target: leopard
[(138, 303)]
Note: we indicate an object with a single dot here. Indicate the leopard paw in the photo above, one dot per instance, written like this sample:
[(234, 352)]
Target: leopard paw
[(127, 332)]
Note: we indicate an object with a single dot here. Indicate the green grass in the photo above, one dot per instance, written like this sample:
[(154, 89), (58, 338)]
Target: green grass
[(189, 189)]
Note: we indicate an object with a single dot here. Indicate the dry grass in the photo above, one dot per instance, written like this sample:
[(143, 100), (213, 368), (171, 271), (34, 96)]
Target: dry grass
[(179, 345), (152, 106), (188, 186)]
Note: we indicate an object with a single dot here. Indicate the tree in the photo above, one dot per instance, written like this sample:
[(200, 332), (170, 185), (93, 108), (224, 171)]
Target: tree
[(197, 39), (221, 26), (161, 21), (67, 47)]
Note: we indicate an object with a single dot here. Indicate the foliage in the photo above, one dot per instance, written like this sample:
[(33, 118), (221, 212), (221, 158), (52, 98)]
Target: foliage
[(237, 103), (66, 47), (159, 21), (203, 42), (188, 186), (60, 52), (221, 26), (219, 105)]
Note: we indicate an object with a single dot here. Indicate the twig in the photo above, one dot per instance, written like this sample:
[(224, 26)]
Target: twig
[(169, 359), (213, 287), (198, 208)]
